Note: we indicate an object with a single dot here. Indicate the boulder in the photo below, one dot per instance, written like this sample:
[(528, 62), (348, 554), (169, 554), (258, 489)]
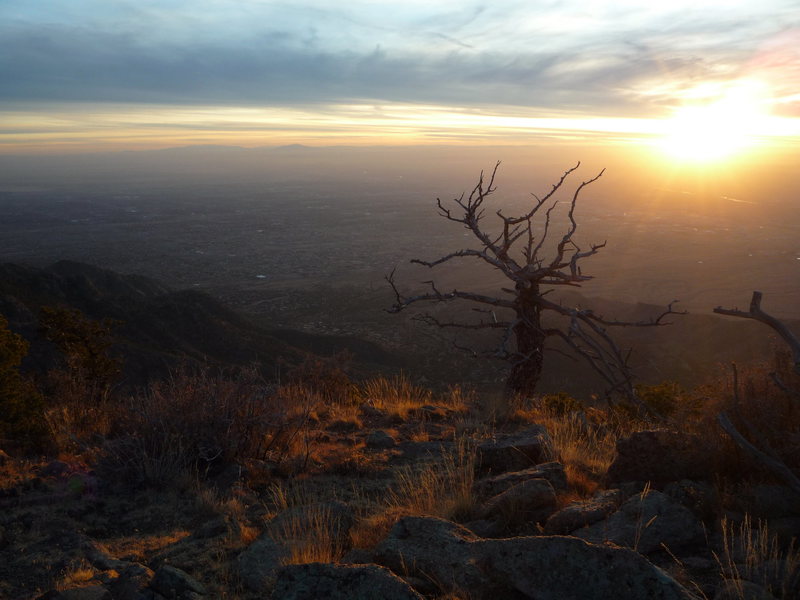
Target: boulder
[(551, 471), (540, 568), (515, 452), (645, 522), (531, 501), (259, 562), (566, 568), (340, 582), (432, 548), (659, 456), (698, 496), (174, 583), (380, 440), (583, 513)]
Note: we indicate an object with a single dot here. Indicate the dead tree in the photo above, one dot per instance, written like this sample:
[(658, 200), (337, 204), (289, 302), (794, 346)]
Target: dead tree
[(521, 248), (770, 460)]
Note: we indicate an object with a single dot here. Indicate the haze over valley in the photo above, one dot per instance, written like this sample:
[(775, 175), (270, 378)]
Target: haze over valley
[(302, 237)]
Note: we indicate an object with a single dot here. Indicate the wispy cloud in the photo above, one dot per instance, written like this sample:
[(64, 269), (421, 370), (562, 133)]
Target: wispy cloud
[(614, 59)]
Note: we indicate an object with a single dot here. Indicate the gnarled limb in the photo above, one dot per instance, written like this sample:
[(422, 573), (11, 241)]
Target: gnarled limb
[(757, 314), (772, 463)]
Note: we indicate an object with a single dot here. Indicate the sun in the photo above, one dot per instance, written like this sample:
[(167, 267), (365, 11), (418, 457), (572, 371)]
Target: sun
[(719, 129)]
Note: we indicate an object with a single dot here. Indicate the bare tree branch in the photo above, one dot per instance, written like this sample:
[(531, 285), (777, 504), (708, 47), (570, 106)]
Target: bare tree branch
[(773, 464), (757, 314)]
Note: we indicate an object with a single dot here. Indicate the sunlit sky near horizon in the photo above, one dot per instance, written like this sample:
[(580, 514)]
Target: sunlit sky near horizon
[(86, 75)]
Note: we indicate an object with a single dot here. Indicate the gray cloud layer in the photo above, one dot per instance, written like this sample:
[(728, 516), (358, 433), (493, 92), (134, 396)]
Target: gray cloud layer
[(276, 54)]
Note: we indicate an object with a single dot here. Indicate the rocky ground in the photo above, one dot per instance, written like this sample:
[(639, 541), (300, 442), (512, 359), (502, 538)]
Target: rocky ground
[(425, 502)]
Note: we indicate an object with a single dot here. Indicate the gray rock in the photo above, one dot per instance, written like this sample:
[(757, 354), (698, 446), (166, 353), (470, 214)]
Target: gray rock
[(583, 513), (530, 501), (645, 522), (659, 456), (88, 592), (133, 583), (487, 528), (566, 568), (340, 582), (357, 556), (417, 450), (380, 440), (368, 410), (540, 568), (515, 452), (259, 562), (742, 590), (174, 583), (214, 528), (698, 496), (551, 471), (432, 412), (55, 468), (101, 560), (433, 548)]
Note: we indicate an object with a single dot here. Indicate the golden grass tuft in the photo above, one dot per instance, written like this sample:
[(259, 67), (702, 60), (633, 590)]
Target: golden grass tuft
[(78, 573), (751, 553), (441, 488)]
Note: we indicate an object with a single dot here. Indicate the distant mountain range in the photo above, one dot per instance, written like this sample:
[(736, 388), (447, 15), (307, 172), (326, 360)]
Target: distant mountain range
[(160, 327)]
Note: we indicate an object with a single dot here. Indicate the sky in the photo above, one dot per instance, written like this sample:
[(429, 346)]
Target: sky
[(88, 75)]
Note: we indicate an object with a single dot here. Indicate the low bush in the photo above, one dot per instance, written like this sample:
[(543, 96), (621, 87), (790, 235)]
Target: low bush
[(198, 423)]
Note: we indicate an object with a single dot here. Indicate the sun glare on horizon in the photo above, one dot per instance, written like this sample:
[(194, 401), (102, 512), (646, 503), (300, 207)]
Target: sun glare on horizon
[(719, 129)]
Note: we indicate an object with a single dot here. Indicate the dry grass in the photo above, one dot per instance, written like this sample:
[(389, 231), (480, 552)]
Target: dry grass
[(140, 547), (400, 398), (77, 574), (440, 488), (312, 534), (312, 537), (584, 442), (751, 553)]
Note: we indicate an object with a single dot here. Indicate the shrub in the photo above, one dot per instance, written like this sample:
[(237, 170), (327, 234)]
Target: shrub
[(560, 404), (22, 422), (85, 344), (198, 424), (663, 398)]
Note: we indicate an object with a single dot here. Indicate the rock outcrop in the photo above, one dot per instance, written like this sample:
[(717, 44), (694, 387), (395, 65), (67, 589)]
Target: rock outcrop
[(515, 452), (646, 523), (340, 582), (541, 568)]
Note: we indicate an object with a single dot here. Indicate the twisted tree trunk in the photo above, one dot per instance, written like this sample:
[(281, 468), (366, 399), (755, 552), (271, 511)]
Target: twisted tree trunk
[(530, 337)]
